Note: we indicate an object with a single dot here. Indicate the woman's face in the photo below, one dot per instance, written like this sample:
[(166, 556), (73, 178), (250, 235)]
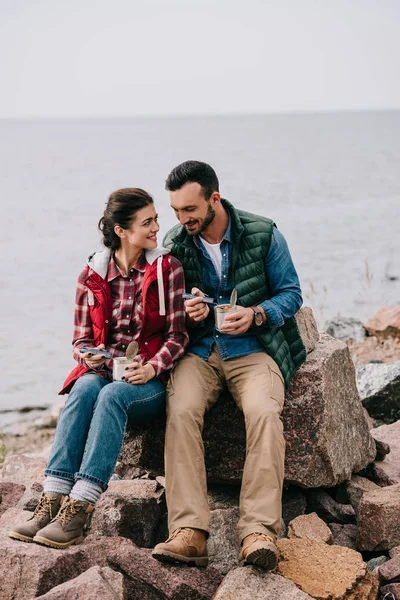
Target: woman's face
[(143, 231)]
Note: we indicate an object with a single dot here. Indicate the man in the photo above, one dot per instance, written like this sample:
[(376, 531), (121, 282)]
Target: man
[(254, 357)]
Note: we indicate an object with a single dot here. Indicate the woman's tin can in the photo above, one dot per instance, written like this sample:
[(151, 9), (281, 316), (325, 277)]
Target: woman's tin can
[(119, 365)]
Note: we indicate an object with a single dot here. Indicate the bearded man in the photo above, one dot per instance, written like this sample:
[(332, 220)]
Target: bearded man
[(253, 356)]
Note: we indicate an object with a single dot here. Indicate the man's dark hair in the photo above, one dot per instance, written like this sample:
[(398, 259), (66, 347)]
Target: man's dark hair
[(193, 171)]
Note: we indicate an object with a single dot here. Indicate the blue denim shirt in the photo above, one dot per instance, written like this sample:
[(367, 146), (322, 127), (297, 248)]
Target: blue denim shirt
[(283, 284)]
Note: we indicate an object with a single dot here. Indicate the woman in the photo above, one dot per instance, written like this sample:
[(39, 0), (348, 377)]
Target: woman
[(132, 290)]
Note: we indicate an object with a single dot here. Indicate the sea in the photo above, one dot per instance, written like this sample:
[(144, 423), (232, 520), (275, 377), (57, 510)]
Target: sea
[(331, 183)]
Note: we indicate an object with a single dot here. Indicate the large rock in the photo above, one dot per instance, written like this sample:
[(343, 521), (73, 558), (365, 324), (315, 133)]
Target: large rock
[(385, 323), (379, 387), (328, 509), (23, 469), (131, 509), (346, 329), (344, 535), (390, 570), (379, 519), (223, 543), (10, 493), (308, 328), (97, 582), (322, 571), (327, 437), (28, 570), (248, 583), (356, 488), (388, 470), (309, 527), (390, 591)]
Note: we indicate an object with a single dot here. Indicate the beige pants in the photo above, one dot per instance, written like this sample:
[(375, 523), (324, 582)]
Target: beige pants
[(256, 385)]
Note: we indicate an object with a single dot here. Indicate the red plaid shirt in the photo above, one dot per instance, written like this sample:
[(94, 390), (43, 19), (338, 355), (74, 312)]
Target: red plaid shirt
[(127, 315)]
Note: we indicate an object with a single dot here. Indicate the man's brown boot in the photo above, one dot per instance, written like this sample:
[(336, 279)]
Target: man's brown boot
[(46, 510), (185, 545), (260, 550), (67, 527)]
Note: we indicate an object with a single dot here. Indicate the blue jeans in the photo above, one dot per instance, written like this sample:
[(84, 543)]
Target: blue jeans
[(92, 425)]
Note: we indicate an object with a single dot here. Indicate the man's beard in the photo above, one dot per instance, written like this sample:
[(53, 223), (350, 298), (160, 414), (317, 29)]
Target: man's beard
[(207, 220)]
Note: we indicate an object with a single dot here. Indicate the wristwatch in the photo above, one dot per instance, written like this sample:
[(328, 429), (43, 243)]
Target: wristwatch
[(258, 317)]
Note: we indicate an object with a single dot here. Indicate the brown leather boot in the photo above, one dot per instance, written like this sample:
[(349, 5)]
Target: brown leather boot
[(46, 510), (260, 550), (185, 545), (67, 527)]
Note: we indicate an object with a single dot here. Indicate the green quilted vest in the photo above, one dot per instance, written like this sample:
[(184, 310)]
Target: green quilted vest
[(251, 236)]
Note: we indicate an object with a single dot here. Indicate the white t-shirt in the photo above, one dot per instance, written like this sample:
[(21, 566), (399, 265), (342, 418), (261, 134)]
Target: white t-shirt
[(214, 250)]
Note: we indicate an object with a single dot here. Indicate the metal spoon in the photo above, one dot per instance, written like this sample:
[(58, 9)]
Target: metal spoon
[(233, 298), (132, 350)]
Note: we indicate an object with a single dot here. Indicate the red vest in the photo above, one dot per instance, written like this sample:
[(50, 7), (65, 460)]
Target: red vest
[(151, 336)]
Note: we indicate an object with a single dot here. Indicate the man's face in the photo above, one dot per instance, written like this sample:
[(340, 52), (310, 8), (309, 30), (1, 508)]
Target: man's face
[(191, 209)]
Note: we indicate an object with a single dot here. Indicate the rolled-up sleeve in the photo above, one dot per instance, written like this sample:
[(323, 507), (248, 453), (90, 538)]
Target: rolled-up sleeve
[(283, 283)]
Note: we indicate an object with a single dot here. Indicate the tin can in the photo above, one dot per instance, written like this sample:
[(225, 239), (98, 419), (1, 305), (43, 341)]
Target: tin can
[(220, 312), (119, 365)]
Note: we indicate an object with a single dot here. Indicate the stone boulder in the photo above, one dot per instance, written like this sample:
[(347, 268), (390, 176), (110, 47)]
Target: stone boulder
[(387, 471), (22, 469), (327, 436), (308, 328), (335, 573), (29, 570), (379, 519), (385, 323), (390, 570), (379, 387), (131, 509), (357, 487), (346, 329), (248, 583), (309, 527), (97, 582), (344, 535), (390, 591), (10, 493), (328, 509), (223, 543), (322, 571)]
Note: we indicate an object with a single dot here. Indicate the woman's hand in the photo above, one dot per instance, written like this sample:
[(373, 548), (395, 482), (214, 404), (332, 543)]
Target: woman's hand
[(94, 361), (136, 372)]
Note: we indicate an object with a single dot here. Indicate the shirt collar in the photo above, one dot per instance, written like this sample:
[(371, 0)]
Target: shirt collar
[(114, 270), (227, 235)]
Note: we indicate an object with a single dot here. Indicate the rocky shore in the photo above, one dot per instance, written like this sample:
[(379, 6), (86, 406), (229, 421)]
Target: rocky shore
[(340, 534)]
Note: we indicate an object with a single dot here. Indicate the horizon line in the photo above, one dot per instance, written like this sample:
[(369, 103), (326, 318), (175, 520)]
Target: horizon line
[(299, 112)]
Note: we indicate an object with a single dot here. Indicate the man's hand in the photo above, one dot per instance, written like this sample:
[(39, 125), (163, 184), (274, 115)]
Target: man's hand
[(137, 373), (196, 309), (239, 321), (94, 361)]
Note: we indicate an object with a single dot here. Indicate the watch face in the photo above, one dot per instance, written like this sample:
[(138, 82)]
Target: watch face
[(258, 319)]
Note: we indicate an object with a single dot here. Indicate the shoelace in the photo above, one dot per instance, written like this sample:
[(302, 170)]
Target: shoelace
[(43, 508), (67, 511), (183, 532), (261, 536)]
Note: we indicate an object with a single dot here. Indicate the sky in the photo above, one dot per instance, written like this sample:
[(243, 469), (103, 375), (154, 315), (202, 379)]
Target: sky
[(95, 58)]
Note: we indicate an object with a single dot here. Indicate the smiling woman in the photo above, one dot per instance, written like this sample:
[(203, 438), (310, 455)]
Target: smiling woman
[(128, 294)]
